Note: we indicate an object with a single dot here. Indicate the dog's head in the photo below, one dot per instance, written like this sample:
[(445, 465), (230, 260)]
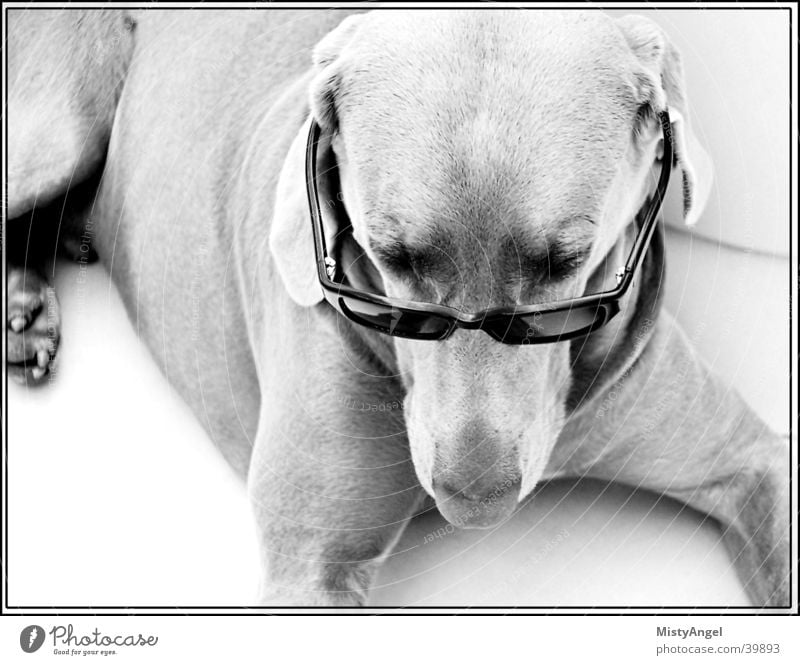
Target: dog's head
[(486, 159)]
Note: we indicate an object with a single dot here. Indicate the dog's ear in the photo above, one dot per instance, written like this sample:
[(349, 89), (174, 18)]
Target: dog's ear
[(329, 59), (291, 241), (659, 84)]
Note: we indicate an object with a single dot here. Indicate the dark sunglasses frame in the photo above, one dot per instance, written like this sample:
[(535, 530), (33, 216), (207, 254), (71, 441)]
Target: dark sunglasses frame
[(491, 320)]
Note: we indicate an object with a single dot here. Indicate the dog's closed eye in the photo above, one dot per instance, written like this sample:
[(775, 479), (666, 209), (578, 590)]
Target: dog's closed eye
[(557, 259), (561, 265), (430, 262), (554, 263)]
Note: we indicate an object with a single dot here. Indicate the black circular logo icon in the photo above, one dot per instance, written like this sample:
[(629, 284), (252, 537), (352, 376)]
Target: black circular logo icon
[(31, 638)]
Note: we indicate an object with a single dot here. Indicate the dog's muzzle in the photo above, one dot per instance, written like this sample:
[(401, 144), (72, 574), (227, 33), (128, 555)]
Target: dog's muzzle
[(477, 508)]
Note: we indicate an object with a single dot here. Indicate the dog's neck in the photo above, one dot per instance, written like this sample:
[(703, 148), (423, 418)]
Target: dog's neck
[(600, 359), (379, 348)]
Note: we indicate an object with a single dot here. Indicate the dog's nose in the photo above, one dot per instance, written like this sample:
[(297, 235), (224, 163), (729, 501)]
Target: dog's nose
[(475, 491), (478, 505)]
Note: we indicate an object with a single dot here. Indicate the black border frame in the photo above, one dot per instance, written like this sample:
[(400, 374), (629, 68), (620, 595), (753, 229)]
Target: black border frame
[(498, 610)]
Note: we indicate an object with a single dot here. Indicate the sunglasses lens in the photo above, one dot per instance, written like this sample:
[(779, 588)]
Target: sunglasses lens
[(573, 322), (394, 321), (551, 326)]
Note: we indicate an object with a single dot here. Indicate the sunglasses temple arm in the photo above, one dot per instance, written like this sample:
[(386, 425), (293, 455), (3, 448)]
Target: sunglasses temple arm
[(649, 225), (312, 192)]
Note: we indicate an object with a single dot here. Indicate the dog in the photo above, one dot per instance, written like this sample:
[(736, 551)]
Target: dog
[(474, 160)]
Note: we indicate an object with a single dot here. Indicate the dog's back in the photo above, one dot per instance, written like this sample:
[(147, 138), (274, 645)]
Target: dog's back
[(177, 211)]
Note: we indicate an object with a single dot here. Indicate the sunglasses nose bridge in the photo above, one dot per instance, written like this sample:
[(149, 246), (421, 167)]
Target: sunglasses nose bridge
[(469, 322), (500, 329), (479, 322)]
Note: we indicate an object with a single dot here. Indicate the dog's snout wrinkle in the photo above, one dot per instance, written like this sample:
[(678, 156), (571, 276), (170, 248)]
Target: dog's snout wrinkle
[(467, 493), (479, 489), (479, 505)]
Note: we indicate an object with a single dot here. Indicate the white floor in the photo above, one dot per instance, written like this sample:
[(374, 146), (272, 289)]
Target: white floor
[(116, 497)]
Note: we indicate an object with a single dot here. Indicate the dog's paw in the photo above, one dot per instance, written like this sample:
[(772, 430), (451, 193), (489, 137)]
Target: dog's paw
[(33, 326)]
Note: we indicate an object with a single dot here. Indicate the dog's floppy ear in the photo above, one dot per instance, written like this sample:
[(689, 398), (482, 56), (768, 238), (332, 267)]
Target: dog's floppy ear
[(291, 241), (660, 86)]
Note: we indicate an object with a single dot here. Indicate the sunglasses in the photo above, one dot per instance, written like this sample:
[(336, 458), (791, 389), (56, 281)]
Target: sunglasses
[(532, 324)]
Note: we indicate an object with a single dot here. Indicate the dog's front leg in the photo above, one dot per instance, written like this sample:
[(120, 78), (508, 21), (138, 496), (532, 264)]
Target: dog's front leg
[(328, 505), (751, 501), (743, 484), (331, 482), (675, 428)]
